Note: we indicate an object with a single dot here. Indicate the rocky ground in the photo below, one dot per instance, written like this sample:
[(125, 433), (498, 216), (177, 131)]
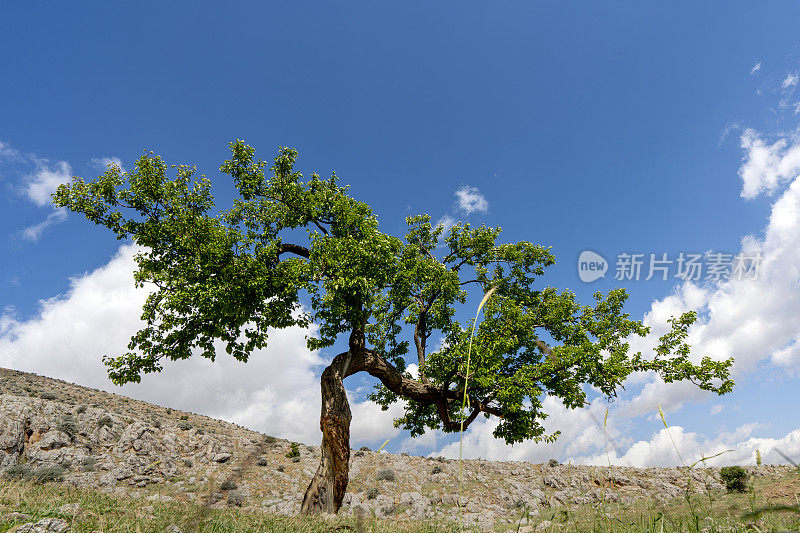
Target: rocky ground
[(88, 438)]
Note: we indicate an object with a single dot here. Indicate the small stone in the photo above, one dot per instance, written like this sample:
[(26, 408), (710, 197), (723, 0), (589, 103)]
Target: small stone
[(544, 524), (160, 498), (222, 457), (18, 517), (70, 508), (46, 525)]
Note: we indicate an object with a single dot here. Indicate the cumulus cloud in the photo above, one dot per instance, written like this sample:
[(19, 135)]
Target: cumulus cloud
[(754, 320), (38, 188), (36, 178), (276, 391), (584, 441), (789, 81), (767, 166), (45, 181), (755, 68), (470, 200), (581, 433), (674, 446)]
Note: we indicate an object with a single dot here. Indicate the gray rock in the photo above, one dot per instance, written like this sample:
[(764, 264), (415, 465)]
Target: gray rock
[(53, 440), (70, 508), (18, 517), (46, 525)]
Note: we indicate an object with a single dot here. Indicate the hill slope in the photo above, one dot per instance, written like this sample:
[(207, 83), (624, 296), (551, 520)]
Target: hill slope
[(130, 448)]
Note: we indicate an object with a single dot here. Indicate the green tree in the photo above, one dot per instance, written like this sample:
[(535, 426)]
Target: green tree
[(229, 276)]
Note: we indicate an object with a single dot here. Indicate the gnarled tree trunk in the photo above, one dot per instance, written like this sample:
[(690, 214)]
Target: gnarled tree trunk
[(327, 488)]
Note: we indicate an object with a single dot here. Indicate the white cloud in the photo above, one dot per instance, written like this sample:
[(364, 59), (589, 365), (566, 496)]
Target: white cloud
[(753, 320), (446, 222), (755, 68), (32, 233), (470, 200), (660, 450), (583, 441), (39, 179), (790, 81), (46, 180), (276, 392), (581, 433), (427, 441), (767, 166), (716, 409), (7, 151), (103, 163)]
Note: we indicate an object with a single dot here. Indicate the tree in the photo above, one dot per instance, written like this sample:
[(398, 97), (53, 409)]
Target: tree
[(229, 276)]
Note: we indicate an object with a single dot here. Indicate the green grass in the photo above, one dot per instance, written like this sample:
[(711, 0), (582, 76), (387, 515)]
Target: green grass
[(107, 513), (709, 512)]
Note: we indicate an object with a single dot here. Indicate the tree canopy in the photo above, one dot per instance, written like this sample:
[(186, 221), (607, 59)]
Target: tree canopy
[(230, 275)]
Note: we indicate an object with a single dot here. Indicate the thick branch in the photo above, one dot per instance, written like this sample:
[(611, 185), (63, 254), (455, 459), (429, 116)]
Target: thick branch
[(296, 249), (454, 425), (424, 393)]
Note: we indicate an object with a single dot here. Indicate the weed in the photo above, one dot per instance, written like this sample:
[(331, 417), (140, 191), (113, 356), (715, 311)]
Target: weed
[(294, 450), (228, 485), (235, 498), (385, 474), (17, 472), (68, 425), (48, 474), (734, 477)]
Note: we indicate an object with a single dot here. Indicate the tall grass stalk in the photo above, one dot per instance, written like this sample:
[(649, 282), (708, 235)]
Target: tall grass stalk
[(689, 501), (465, 402)]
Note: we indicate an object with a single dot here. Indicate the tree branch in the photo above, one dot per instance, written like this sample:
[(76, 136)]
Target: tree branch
[(363, 360), (296, 249)]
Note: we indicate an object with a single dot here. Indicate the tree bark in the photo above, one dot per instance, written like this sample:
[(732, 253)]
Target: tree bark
[(327, 488)]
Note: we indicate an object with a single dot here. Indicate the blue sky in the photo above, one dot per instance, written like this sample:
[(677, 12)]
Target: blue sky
[(615, 127)]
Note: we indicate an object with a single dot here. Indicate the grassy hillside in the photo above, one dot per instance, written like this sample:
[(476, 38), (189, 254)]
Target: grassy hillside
[(94, 461)]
